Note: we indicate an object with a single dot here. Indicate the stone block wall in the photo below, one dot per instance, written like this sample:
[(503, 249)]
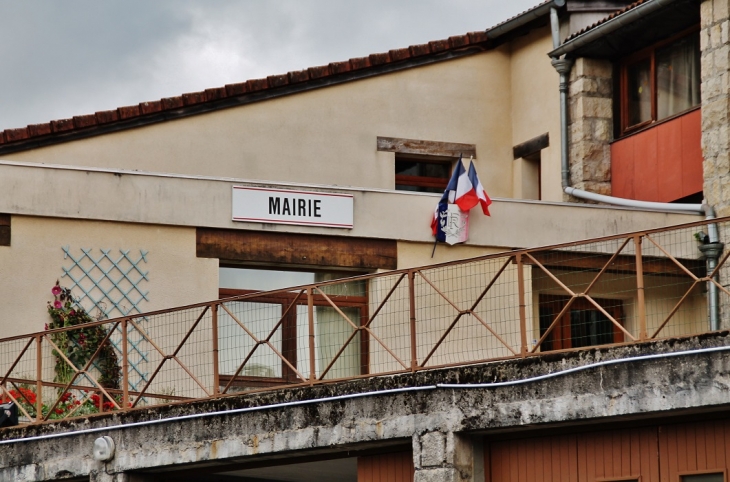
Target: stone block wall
[(590, 125)]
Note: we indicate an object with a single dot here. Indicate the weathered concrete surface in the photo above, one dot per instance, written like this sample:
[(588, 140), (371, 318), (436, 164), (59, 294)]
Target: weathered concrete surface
[(427, 419)]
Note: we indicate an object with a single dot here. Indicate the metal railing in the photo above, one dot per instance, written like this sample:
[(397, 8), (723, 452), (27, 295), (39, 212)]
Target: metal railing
[(617, 289)]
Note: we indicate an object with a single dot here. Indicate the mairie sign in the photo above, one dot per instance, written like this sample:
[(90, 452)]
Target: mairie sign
[(283, 206)]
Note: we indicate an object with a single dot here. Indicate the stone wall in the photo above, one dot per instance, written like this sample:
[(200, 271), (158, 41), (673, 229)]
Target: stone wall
[(590, 125)]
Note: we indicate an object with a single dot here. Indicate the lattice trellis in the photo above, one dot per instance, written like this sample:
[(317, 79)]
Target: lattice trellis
[(108, 286)]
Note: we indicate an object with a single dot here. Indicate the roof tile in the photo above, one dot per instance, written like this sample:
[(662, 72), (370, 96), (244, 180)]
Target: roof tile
[(192, 98), (62, 125), (604, 20), (81, 121), (318, 72), (150, 107), (215, 94), (37, 130), (458, 41), (129, 111), (16, 134), (277, 80), (236, 89), (255, 85), (419, 50), (438, 46), (340, 67), (169, 103), (360, 63), (107, 116), (298, 76), (399, 54), (477, 37), (379, 59)]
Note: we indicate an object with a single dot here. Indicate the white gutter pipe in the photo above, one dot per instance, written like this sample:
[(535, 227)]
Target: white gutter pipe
[(564, 66)]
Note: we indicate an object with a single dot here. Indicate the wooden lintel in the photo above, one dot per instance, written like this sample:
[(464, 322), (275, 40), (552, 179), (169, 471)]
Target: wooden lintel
[(426, 148), (651, 265), (532, 146), (241, 246)]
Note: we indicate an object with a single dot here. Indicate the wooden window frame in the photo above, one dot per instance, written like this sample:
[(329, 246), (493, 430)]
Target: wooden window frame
[(424, 181), (722, 471), (289, 332), (643, 54), (4, 229), (560, 338)]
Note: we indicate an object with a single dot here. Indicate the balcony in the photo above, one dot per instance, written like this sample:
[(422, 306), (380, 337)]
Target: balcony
[(661, 163), (622, 289)]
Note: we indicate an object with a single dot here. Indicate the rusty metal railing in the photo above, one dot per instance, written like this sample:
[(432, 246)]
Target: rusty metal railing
[(618, 289)]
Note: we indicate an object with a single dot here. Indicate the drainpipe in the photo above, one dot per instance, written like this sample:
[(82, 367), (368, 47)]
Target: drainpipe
[(711, 250)]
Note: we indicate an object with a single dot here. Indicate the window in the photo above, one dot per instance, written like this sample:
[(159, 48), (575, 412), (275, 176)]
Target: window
[(421, 175), (582, 325), (716, 477), (283, 319), (660, 82)]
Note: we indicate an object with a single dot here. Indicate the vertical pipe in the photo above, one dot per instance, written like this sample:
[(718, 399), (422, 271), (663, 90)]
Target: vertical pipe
[(640, 288), (39, 379), (555, 27), (523, 314), (412, 304), (125, 364), (214, 334), (713, 295), (310, 310)]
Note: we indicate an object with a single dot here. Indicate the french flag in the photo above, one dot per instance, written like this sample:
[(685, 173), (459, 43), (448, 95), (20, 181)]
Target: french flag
[(465, 190), (470, 192)]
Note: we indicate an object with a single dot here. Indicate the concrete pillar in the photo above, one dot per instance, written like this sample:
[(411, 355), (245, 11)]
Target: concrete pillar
[(715, 90), (445, 457), (590, 125)]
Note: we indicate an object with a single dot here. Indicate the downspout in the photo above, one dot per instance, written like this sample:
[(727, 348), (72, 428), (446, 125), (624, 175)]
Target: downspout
[(711, 250)]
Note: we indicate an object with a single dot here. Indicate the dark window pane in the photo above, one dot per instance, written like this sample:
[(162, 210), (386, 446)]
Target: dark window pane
[(639, 94), (703, 478), (440, 170), (590, 327), (678, 76)]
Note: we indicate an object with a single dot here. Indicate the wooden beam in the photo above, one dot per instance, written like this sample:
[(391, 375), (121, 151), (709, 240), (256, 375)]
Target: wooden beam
[(4, 229), (651, 265), (532, 146), (296, 249), (426, 148)]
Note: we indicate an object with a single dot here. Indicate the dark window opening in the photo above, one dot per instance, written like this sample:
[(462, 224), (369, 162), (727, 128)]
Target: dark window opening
[(583, 324), (421, 173)]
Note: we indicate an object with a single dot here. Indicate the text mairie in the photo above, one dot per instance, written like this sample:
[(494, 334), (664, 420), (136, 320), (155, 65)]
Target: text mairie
[(285, 206)]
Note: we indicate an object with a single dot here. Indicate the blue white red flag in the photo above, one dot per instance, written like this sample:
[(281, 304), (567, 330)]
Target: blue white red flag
[(465, 191)]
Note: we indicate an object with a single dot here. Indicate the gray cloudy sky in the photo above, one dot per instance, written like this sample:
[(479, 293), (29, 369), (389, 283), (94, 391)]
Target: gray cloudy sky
[(72, 57)]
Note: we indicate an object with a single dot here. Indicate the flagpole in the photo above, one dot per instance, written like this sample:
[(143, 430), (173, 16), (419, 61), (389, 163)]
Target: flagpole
[(435, 242)]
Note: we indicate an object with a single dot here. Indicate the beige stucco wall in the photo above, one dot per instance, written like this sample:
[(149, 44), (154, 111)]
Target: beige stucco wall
[(325, 136), (35, 260), (535, 106)]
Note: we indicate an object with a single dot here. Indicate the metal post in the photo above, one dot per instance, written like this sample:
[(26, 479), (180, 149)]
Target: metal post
[(310, 309), (216, 373), (125, 364), (523, 314), (412, 303), (640, 288), (39, 379)]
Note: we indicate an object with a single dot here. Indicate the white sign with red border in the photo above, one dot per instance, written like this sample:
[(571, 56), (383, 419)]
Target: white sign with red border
[(283, 206)]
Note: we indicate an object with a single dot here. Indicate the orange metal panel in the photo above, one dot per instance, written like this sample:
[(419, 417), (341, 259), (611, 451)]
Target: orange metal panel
[(395, 467), (662, 163)]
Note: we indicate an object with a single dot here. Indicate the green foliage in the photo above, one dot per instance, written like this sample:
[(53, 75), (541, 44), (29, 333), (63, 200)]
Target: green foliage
[(79, 345)]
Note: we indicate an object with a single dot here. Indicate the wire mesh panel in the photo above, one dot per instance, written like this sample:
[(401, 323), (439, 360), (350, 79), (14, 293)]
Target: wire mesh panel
[(389, 321)]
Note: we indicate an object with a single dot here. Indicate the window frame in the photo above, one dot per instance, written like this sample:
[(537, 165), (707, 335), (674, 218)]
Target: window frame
[(424, 181), (289, 326), (681, 474), (625, 63)]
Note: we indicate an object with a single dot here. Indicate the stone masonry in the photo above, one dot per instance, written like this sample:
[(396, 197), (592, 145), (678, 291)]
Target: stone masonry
[(590, 125)]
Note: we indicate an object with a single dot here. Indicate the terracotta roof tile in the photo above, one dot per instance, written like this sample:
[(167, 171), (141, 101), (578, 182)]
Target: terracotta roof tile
[(106, 116), (318, 72), (150, 107), (255, 85), (340, 67), (604, 20), (169, 103), (458, 41), (35, 130), (236, 89), (302, 75), (16, 134), (128, 112), (215, 94), (399, 54), (81, 121), (419, 50), (438, 46), (379, 59), (193, 98), (62, 125), (277, 80)]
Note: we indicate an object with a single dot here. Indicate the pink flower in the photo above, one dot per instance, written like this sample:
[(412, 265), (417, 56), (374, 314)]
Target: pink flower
[(57, 304), (56, 290)]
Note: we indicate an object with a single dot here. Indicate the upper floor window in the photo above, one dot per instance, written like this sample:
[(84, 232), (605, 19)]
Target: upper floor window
[(660, 82)]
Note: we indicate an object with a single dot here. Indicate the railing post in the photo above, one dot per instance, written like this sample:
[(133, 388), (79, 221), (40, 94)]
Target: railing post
[(39, 379), (523, 315), (310, 311), (640, 288), (412, 304), (214, 334), (125, 364)]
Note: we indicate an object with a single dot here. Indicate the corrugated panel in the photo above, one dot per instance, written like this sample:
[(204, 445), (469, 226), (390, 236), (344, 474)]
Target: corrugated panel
[(395, 467)]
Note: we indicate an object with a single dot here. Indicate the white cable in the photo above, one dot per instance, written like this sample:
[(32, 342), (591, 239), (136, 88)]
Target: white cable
[(367, 394)]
